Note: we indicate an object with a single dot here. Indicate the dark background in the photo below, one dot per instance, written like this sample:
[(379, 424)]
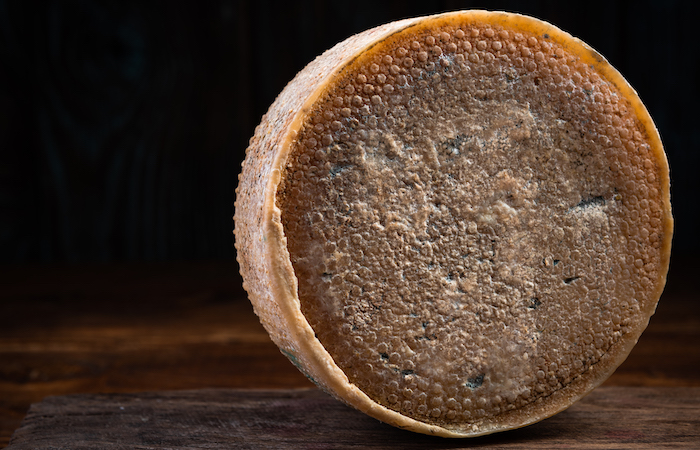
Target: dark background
[(123, 124)]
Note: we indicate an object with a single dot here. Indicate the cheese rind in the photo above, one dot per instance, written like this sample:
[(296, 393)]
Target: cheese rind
[(458, 224)]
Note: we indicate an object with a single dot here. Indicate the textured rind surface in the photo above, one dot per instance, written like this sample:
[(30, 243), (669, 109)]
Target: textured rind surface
[(262, 248)]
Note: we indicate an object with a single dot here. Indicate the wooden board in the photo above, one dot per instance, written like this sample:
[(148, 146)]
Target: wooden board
[(611, 417), (125, 328)]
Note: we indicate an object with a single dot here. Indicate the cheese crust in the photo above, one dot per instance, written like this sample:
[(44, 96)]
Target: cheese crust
[(457, 224)]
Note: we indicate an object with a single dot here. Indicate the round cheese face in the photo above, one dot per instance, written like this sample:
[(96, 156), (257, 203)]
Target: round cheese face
[(458, 224)]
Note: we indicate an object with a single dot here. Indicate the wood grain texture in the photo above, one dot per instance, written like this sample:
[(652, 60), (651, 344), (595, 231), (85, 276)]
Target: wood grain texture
[(124, 328), (611, 417), (127, 328)]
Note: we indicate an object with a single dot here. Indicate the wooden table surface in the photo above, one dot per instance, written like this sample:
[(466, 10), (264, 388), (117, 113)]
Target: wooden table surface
[(123, 328)]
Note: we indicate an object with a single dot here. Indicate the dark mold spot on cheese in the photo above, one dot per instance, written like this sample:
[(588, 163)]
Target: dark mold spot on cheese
[(476, 382)]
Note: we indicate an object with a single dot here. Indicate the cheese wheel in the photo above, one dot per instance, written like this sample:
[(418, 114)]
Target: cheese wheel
[(457, 224)]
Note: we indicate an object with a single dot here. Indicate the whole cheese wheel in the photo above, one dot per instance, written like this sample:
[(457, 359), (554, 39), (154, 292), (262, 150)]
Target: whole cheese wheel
[(458, 224)]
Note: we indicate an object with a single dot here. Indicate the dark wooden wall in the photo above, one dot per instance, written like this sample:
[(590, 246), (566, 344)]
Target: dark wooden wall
[(123, 123)]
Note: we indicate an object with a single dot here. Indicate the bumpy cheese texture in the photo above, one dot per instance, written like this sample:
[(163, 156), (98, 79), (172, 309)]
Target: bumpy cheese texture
[(463, 227)]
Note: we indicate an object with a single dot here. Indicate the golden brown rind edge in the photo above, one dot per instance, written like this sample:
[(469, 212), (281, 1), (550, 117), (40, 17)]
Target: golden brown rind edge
[(261, 244)]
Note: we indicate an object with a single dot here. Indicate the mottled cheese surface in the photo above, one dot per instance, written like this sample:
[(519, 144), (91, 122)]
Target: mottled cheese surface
[(477, 219)]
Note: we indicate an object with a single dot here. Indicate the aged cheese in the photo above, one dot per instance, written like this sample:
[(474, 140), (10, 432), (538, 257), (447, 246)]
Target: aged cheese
[(458, 224)]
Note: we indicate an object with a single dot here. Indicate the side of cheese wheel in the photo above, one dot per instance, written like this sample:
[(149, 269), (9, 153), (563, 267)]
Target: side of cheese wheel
[(458, 224)]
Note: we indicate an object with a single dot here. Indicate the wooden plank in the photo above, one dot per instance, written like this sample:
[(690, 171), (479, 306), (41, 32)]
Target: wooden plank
[(611, 417), (124, 328)]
